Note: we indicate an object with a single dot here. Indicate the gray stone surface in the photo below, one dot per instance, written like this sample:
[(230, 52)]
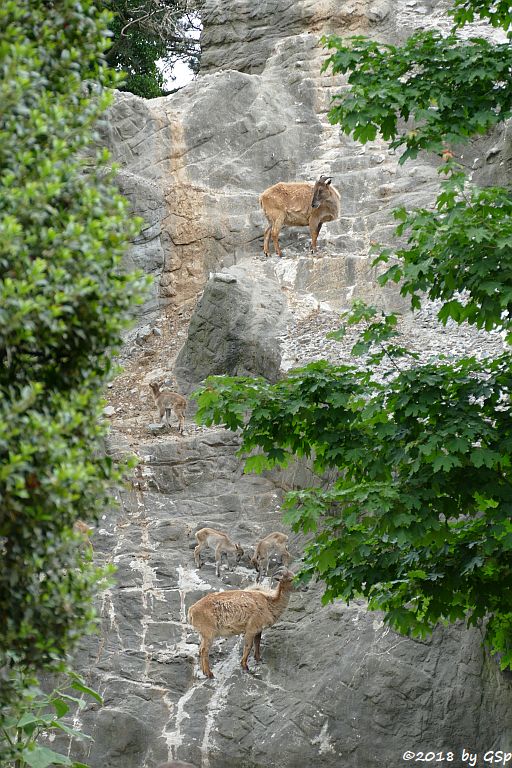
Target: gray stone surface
[(335, 686), (193, 164), (234, 328), (246, 39)]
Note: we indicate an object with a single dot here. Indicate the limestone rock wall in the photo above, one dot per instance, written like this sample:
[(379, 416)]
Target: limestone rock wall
[(335, 687), (194, 163), (243, 36)]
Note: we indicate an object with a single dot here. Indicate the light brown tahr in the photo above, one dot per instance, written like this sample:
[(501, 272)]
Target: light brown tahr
[(298, 204), (220, 543), (244, 612), (167, 401), (274, 543)]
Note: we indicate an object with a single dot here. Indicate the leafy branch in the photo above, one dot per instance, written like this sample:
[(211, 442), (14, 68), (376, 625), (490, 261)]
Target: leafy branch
[(36, 716), (445, 90), (375, 339), (418, 519), (460, 253)]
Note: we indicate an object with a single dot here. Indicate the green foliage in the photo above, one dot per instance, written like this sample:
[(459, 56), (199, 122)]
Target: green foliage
[(34, 713), (64, 301), (148, 84), (418, 520), (135, 50), (460, 253), (376, 336), (498, 12), (145, 32), (444, 89)]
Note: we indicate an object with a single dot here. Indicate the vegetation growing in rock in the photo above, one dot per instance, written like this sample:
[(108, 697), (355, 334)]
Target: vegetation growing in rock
[(63, 303), (419, 519)]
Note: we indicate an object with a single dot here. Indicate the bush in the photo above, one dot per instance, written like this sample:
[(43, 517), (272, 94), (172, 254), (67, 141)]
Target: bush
[(63, 303)]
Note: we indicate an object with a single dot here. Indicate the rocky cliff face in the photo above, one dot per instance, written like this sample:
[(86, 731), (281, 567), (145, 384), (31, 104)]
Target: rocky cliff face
[(335, 686), (194, 164)]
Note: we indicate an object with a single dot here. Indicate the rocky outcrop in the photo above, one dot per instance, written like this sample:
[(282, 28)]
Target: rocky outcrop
[(247, 39), (234, 330)]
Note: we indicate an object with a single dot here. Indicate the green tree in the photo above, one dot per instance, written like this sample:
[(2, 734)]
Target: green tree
[(148, 32), (64, 301), (419, 520)]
